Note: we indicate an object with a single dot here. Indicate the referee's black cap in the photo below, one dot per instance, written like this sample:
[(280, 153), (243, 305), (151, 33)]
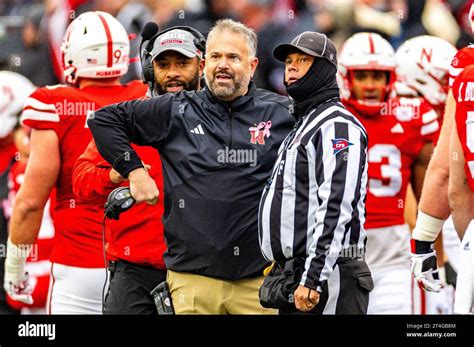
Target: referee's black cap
[(310, 42)]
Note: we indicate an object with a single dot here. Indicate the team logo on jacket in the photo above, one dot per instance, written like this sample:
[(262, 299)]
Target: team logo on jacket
[(259, 132), (340, 144)]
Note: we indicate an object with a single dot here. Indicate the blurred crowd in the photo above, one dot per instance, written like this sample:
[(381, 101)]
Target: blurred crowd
[(31, 30)]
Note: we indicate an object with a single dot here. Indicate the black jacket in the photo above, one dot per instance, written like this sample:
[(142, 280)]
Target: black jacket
[(211, 197)]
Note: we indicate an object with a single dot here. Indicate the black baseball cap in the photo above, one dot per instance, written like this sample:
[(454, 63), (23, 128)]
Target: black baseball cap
[(309, 42)]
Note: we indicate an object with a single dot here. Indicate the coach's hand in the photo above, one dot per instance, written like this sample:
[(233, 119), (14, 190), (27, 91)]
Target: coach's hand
[(143, 187), (305, 298)]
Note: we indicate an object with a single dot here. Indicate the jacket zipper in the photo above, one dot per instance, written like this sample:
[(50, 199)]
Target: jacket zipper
[(230, 129)]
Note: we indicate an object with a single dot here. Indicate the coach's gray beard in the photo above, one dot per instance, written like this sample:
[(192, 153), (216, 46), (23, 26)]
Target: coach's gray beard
[(228, 93)]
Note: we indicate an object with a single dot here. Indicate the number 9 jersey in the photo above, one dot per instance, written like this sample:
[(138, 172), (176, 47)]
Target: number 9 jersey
[(64, 109)]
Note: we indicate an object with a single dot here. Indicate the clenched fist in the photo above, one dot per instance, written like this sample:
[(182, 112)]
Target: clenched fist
[(305, 298), (143, 187)]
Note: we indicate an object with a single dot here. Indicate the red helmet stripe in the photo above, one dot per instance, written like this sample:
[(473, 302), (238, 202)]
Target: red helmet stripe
[(371, 44), (109, 40)]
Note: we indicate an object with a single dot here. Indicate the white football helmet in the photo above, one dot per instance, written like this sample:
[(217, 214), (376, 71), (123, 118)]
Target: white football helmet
[(423, 64), (14, 90), (95, 45), (365, 51)]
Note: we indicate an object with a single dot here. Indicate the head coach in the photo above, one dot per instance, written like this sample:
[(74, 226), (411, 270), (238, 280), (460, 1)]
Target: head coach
[(218, 147), (313, 206)]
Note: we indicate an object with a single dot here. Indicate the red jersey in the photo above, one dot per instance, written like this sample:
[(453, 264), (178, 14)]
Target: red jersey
[(395, 141), (463, 58), (64, 109), (46, 233), (37, 264), (138, 236), (7, 153), (463, 92)]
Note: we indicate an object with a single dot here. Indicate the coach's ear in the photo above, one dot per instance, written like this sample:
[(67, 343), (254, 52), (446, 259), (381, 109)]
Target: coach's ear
[(253, 65), (201, 65)]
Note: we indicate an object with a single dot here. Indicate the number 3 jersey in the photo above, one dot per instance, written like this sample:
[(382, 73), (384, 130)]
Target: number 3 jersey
[(463, 92), (63, 109), (396, 138)]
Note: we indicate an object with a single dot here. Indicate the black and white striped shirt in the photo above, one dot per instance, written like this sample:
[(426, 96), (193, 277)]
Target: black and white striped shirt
[(313, 206)]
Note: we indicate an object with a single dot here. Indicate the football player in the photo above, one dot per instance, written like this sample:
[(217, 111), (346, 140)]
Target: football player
[(423, 67), (461, 185), (95, 54), (14, 89), (37, 264), (433, 208), (401, 131)]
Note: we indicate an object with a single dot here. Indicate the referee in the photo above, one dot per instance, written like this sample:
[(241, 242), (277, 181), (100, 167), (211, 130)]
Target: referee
[(313, 205)]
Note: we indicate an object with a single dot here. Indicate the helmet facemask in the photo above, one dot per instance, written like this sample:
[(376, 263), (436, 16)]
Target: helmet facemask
[(365, 102)]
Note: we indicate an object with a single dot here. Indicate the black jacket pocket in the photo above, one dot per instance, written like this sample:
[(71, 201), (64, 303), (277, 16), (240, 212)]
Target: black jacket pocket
[(366, 281)]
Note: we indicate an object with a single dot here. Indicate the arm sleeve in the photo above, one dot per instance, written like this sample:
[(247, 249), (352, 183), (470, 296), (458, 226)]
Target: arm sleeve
[(40, 112), (144, 122), (430, 126), (90, 179), (340, 152)]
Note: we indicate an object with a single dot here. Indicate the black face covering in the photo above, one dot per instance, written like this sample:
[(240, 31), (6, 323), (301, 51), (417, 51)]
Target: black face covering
[(315, 87)]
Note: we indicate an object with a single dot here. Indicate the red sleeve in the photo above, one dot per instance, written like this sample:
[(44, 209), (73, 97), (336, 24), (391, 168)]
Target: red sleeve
[(90, 178), (463, 58), (430, 125), (40, 110), (462, 92)]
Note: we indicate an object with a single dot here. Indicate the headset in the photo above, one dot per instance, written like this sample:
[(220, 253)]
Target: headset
[(118, 201), (145, 54)]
